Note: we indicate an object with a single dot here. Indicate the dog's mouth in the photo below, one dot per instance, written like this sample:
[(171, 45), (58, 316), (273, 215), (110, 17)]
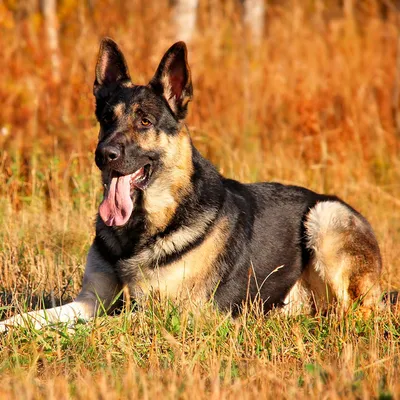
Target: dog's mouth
[(117, 206), (140, 178)]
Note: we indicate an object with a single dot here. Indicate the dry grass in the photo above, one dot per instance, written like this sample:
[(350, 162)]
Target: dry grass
[(313, 105)]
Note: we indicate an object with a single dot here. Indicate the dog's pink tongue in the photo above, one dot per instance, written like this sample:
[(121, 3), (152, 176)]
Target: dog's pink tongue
[(117, 206)]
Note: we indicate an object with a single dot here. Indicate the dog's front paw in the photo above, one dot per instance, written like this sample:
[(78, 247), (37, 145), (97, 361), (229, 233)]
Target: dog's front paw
[(3, 327)]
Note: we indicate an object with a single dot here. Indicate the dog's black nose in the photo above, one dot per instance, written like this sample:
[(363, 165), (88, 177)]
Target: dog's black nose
[(111, 153), (105, 154)]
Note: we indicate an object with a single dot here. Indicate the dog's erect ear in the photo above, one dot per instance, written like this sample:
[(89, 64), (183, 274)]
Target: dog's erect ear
[(173, 81), (111, 68)]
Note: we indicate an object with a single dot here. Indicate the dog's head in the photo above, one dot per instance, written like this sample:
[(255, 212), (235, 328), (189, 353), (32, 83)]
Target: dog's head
[(140, 126)]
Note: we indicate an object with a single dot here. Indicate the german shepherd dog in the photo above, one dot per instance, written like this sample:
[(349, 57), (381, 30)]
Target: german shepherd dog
[(170, 224)]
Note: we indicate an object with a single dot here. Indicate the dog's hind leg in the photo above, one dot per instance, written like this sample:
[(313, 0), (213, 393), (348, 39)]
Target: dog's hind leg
[(298, 300), (346, 260), (99, 290)]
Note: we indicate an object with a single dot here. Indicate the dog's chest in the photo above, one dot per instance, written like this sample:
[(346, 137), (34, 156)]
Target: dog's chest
[(194, 275)]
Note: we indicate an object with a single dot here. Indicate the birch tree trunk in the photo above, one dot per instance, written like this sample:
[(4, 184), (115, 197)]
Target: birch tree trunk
[(49, 8), (185, 12), (254, 11)]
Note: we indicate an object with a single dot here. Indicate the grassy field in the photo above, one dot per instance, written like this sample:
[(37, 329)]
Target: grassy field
[(316, 103)]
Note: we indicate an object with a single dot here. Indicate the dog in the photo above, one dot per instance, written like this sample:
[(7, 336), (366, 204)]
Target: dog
[(170, 224)]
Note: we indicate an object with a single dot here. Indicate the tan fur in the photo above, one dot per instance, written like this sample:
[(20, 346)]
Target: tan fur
[(194, 276), (134, 108), (128, 84), (346, 261), (119, 110), (166, 246), (168, 92), (162, 198), (180, 238), (298, 299)]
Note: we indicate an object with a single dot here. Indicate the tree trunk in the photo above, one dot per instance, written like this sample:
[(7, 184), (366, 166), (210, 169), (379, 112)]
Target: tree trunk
[(185, 19), (49, 8), (254, 19)]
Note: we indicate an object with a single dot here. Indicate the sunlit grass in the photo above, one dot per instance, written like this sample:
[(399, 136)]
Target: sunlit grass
[(163, 348), (313, 105)]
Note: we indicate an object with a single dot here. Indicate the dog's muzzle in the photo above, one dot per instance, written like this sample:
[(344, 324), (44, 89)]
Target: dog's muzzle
[(107, 155)]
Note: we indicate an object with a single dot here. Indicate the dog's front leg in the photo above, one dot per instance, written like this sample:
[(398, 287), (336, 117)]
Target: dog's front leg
[(100, 288)]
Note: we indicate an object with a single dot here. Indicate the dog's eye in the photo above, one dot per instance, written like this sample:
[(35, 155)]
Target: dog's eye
[(145, 122)]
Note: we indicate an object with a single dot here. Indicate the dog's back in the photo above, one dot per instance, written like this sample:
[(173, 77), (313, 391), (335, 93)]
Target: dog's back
[(288, 237)]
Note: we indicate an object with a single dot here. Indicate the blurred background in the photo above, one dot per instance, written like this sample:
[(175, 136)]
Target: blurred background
[(304, 92)]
